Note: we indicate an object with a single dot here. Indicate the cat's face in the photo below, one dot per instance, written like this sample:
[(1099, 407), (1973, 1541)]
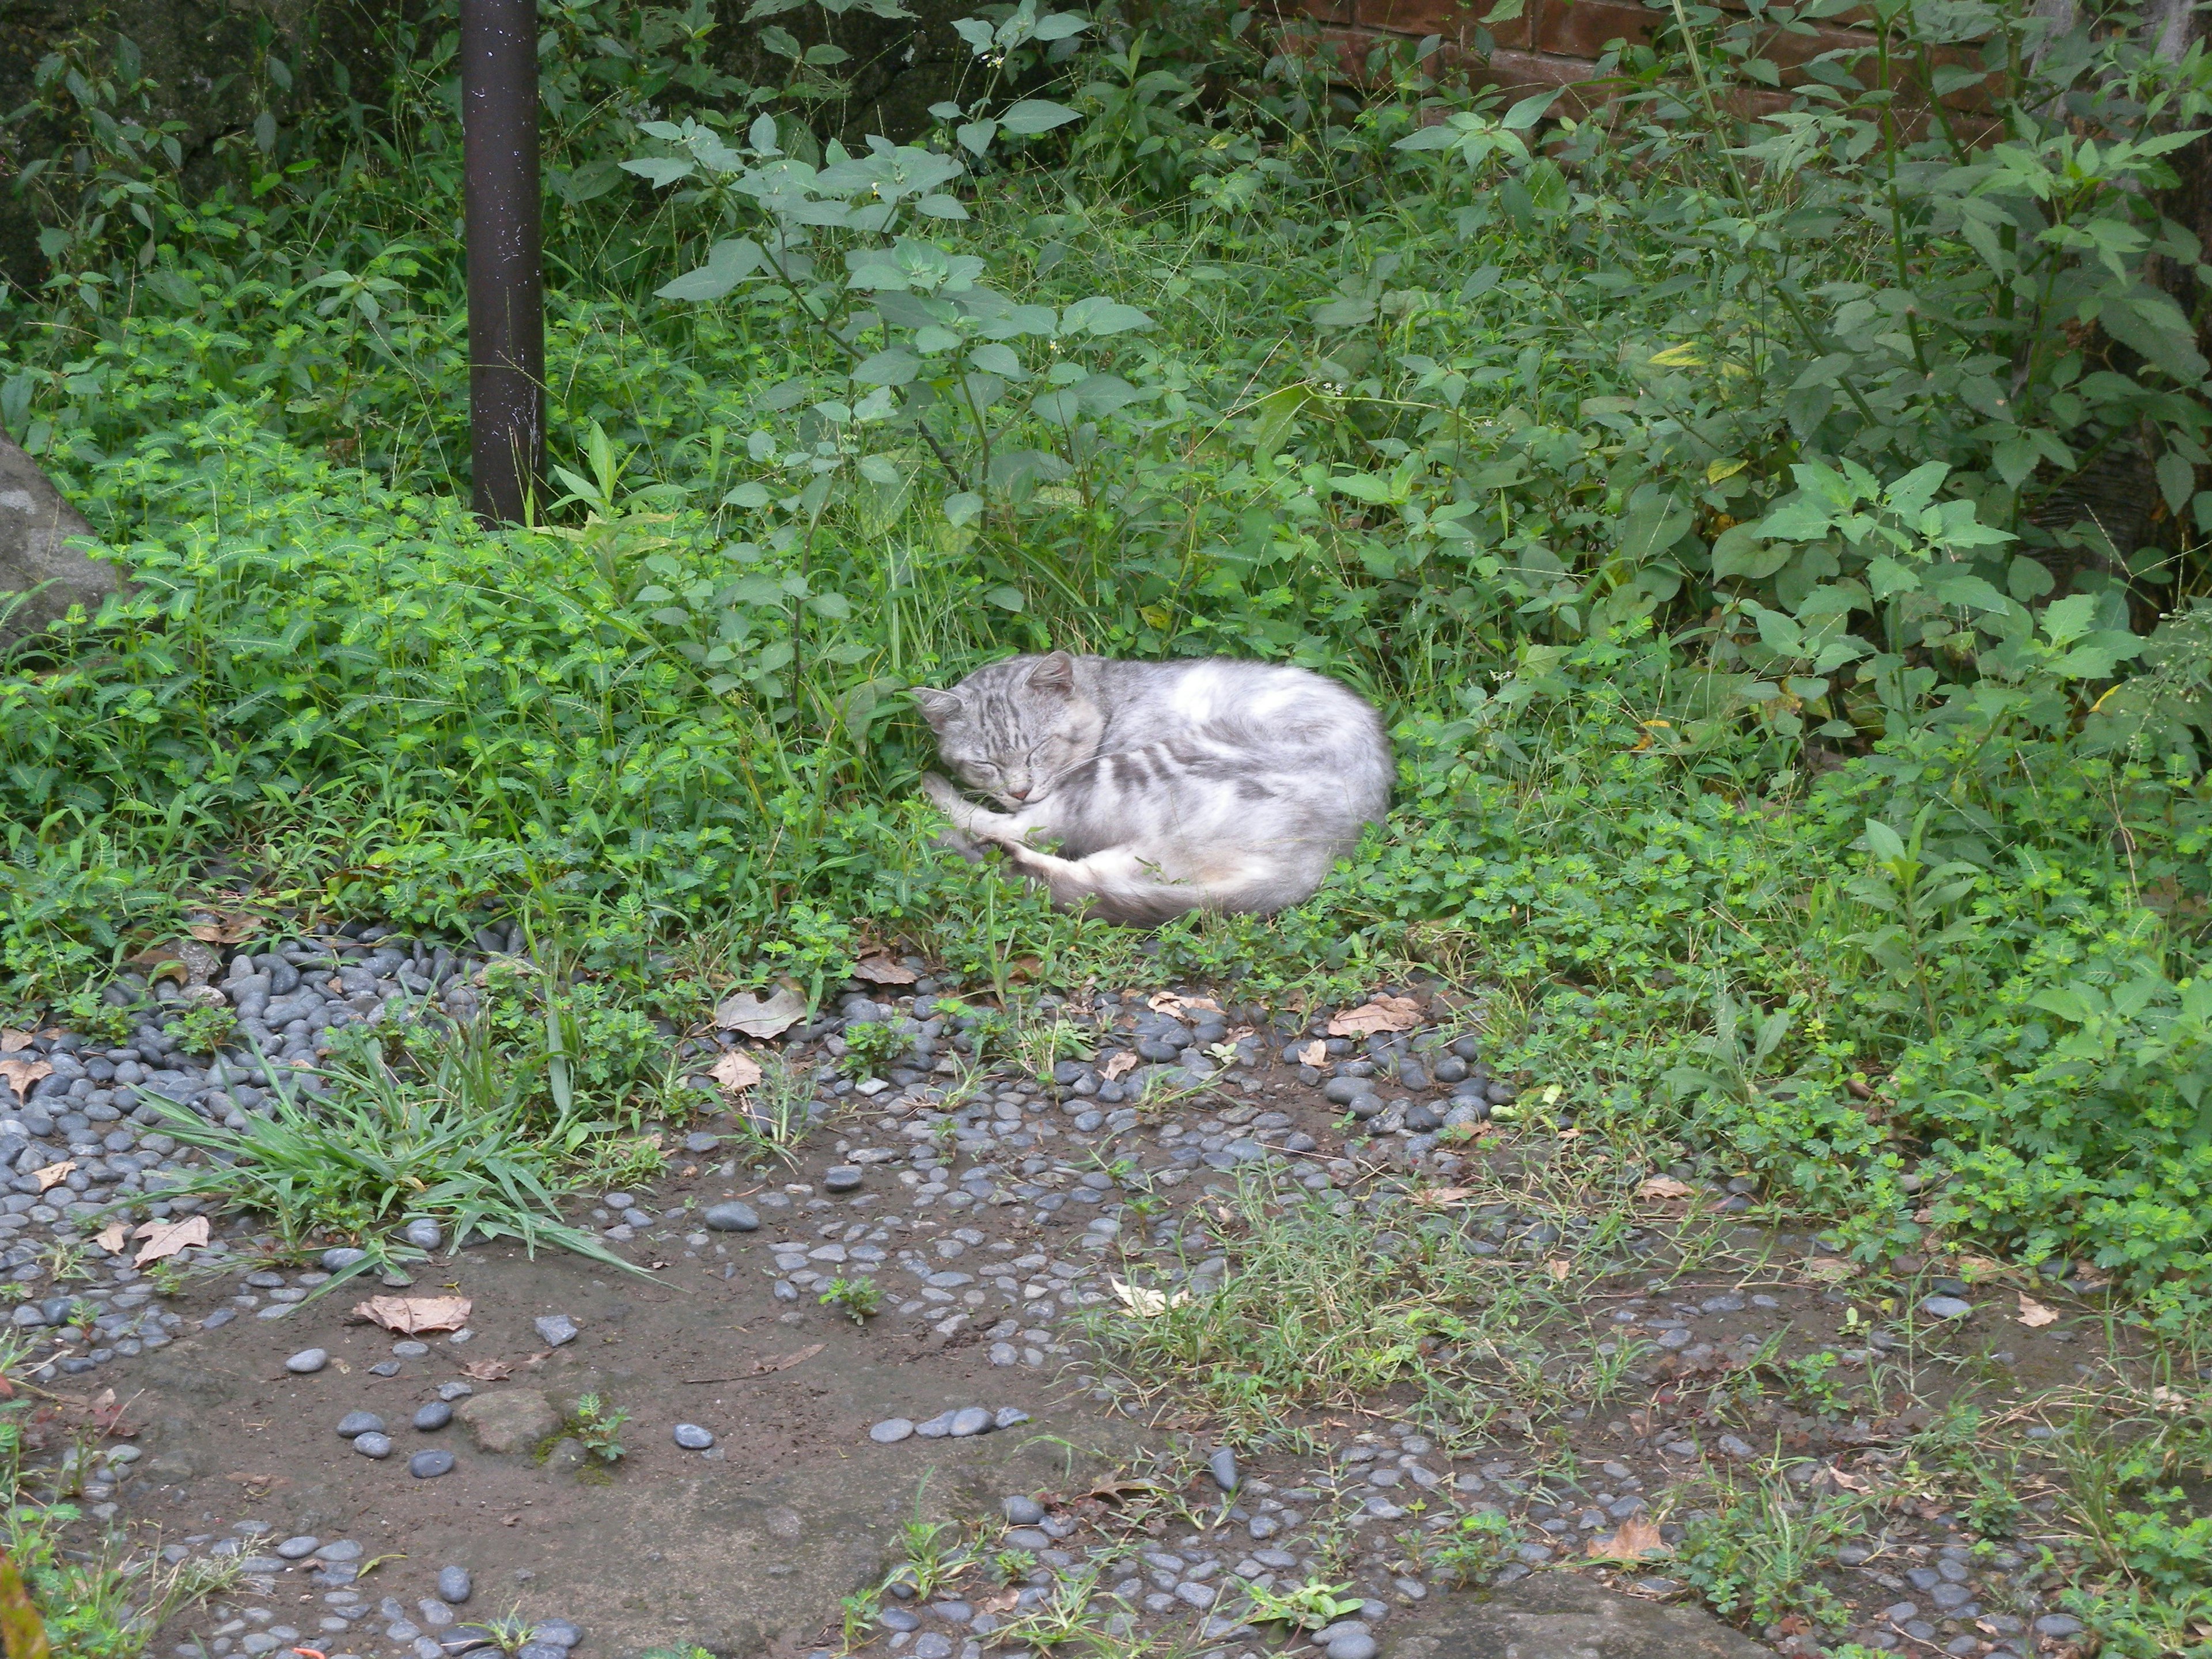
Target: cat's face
[(1012, 729)]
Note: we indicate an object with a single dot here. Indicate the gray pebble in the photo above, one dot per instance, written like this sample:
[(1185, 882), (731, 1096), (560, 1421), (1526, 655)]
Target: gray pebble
[(692, 1437), (540, 1650), (338, 1260), (1008, 1417), (1945, 1307), (1352, 1645), (2058, 1624), (453, 1584), (342, 1549), (732, 1218), (1024, 1512), (841, 1178), (554, 1329), (307, 1361), (433, 1415), (891, 1430), (1222, 1464), (423, 1233), (971, 1420), (931, 1645), (373, 1444), (558, 1632), (293, 1548), (429, 1465), (937, 1428), (454, 1390), (354, 1423)]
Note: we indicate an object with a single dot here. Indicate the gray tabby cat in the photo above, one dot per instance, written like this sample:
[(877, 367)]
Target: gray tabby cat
[(1168, 787)]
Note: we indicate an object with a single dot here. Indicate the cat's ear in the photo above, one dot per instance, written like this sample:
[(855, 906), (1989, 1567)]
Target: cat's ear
[(938, 708), (1054, 672)]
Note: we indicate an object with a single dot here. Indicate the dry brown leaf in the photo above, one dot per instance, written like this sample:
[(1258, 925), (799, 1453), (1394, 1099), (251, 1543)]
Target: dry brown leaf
[(1314, 1053), (487, 1370), (1380, 1014), (1558, 1266), (1849, 1482), (166, 1238), (53, 1174), (1116, 1064), (228, 928), (1636, 1539), (408, 1315), (1146, 1303), (2033, 1315), (1665, 1188), (882, 970), (110, 1238), (770, 1015), (1004, 1601), (1167, 1002), (11, 1040), (22, 1073), (1831, 1269), (1441, 1195), (784, 1362), (735, 1070)]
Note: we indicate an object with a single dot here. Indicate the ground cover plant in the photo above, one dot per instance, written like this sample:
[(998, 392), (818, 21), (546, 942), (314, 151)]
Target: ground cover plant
[(1775, 538)]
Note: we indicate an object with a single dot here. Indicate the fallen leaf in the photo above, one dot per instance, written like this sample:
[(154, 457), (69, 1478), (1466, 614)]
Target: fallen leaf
[(1975, 1268), (1314, 1053), (2033, 1315), (1558, 1266), (1004, 1601), (54, 1174), (166, 1238), (784, 1362), (1146, 1303), (11, 1040), (1025, 966), (1381, 1014), (487, 1370), (1167, 1002), (1636, 1539), (1113, 1491), (22, 1073), (228, 928), (1849, 1482), (761, 1017), (1831, 1269), (2172, 1401), (110, 1238), (1441, 1195), (735, 1070), (1664, 1188), (407, 1315), (882, 970), (1116, 1064)]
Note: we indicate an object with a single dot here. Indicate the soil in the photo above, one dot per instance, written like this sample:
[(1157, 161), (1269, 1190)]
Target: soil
[(750, 1548)]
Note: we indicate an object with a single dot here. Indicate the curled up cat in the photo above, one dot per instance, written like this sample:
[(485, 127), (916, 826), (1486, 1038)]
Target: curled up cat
[(1141, 790)]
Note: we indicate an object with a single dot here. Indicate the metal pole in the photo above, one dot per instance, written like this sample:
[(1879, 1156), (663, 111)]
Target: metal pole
[(507, 299)]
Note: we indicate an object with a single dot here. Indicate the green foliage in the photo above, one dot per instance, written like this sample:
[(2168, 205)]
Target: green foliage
[(88, 1012), (857, 1299), (1758, 1557), (871, 1046), (1474, 1547), (598, 1423), (457, 1141), (1711, 500), (204, 1028), (1304, 1607)]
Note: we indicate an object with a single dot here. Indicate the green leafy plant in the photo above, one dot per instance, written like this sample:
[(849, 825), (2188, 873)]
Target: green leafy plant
[(857, 1299), (598, 1423), (1760, 1557), (204, 1028), (1306, 1607), (460, 1143), (870, 1047), (1474, 1547)]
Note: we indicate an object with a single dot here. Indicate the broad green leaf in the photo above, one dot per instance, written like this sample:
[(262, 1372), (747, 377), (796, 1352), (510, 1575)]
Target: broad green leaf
[(963, 505), (1884, 843), (1034, 115)]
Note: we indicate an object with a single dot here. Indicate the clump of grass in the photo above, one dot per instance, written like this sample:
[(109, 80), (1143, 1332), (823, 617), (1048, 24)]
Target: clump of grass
[(459, 1142)]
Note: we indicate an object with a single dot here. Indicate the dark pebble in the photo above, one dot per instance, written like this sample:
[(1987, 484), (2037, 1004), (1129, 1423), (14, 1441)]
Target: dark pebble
[(732, 1218), (430, 1464), (453, 1584), (435, 1415), (841, 1178), (358, 1423)]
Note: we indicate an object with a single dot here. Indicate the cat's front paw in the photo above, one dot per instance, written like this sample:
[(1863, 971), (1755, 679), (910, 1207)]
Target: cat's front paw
[(946, 799)]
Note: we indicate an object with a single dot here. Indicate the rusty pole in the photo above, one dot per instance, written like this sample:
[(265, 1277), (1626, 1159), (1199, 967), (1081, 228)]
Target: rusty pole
[(501, 215)]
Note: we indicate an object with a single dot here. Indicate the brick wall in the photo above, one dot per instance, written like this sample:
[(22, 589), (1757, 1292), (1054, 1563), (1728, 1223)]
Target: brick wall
[(1554, 43)]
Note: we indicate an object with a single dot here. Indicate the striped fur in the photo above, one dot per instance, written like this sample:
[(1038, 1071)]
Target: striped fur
[(1142, 790)]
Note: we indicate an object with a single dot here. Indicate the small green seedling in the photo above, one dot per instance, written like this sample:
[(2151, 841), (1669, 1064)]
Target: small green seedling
[(598, 1425), (858, 1298)]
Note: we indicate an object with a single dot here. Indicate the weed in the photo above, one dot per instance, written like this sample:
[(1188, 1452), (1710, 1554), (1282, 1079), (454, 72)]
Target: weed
[(1308, 1606), (871, 1046), (598, 1423), (105, 1022), (857, 1299), (204, 1028), (460, 1143), (1474, 1547), (1009, 1566), (1759, 1556)]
